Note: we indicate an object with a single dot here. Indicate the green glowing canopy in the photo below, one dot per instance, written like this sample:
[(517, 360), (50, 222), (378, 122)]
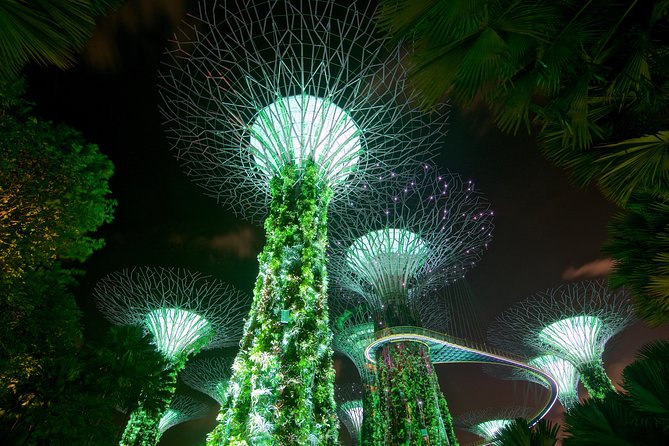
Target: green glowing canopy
[(388, 258), (564, 373), (176, 331), (488, 429), (304, 127), (578, 337)]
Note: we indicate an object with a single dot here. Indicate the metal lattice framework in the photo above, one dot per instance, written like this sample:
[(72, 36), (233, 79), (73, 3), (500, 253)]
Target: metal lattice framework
[(573, 321), (487, 423), (249, 89), (183, 408), (180, 308), (353, 329), (209, 375), (409, 236), (349, 409), (564, 373)]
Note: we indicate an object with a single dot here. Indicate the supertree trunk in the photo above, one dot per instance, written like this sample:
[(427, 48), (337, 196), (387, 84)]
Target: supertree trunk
[(142, 428), (595, 380), (281, 391), (412, 408)]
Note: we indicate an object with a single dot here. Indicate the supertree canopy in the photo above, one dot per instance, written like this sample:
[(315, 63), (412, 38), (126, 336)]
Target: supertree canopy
[(487, 423), (183, 408), (393, 253), (184, 312), (209, 375), (573, 321), (349, 409), (286, 105), (353, 328), (564, 373), (407, 238)]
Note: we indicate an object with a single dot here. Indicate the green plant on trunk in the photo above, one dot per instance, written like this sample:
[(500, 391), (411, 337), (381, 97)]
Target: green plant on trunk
[(281, 390)]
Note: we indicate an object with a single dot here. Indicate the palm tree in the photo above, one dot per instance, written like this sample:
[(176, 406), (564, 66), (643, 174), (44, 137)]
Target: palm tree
[(640, 416), (48, 32), (519, 433), (591, 77), (639, 244)]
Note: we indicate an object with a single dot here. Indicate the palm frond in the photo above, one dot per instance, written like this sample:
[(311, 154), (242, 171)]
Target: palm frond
[(636, 164), (47, 32), (647, 380)]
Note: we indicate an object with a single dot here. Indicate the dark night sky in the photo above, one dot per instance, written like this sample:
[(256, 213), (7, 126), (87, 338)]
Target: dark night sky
[(546, 231)]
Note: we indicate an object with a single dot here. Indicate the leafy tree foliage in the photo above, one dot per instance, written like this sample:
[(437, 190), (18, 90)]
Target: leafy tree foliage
[(53, 189), (639, 416), (45, 31)]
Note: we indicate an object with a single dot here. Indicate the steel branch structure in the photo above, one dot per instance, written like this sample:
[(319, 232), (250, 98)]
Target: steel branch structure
[(248, 90), (404, 239), (293, 106), (407, 237), (183, 408), (209, 375), (184, 312), (353, 329), (573, 321), (487, 423), (350, 409)]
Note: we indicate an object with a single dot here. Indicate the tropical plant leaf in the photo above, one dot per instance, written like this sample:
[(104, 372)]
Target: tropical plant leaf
[(647, 381)]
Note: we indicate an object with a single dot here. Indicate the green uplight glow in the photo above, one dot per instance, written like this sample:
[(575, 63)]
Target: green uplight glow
[(176, 331), (387, 258), (300, 128), (488, 429), (169, 419), (577, 337), (564, 373), (354, 413)]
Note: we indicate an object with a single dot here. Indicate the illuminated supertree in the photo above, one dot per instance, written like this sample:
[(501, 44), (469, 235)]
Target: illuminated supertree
[(562, 371), (182, 408), (288, 105), (209, 375), (393, 253), (487, 423), (349, 409), (573, 321), (184, 312), (353, 328)]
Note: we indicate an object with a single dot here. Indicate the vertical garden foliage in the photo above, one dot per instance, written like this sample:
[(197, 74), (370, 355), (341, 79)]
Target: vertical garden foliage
[(371, 431), (413, 409), (282, 388), (595, 380), (142, 426)]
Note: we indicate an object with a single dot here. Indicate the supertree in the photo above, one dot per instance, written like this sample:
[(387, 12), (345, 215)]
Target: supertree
[(210, 375), (562, 371), (286, 105), (182, 408), (184, 312), (353, 328), (573, 321), (393, 254), (349, 408), (487, 423)]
